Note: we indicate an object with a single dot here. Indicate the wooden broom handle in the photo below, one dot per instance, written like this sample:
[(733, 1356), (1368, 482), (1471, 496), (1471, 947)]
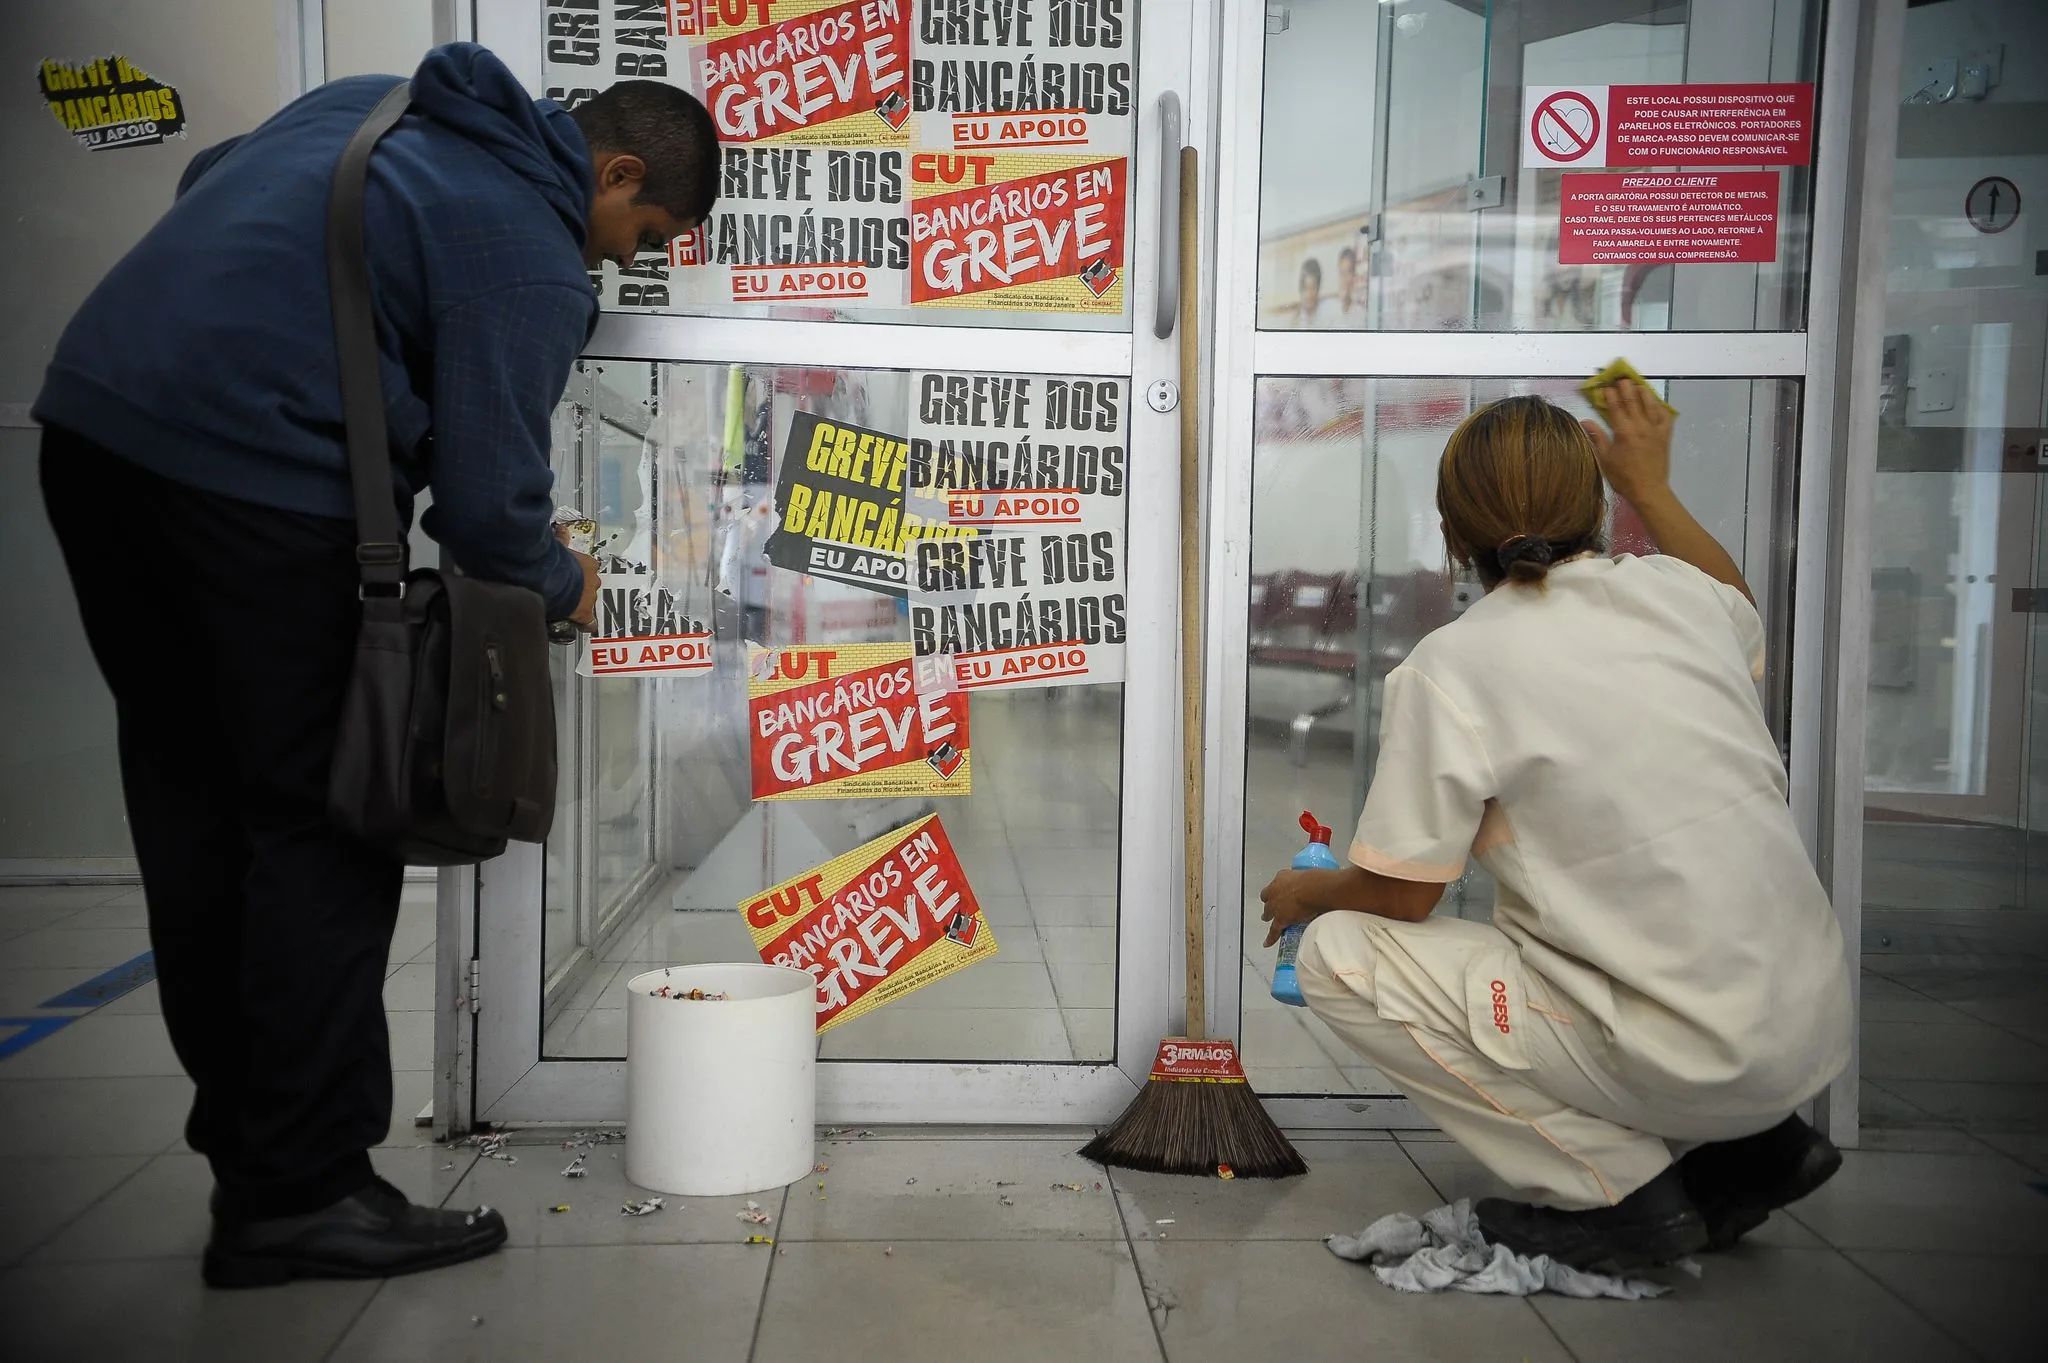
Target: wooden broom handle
[(1192, 898)]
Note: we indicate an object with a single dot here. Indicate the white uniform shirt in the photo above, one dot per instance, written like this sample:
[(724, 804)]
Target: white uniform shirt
[(1599, 747)]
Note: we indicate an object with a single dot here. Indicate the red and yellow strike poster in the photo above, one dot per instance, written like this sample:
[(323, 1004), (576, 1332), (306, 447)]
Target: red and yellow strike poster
[(1025, 233), (873, 924), (816, 72), (848, 722)]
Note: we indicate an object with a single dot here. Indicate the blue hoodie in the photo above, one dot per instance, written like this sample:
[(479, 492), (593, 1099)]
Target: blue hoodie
[(207, 354)]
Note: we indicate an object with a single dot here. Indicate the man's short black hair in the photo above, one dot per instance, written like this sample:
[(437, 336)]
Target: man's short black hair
[(669, 130)]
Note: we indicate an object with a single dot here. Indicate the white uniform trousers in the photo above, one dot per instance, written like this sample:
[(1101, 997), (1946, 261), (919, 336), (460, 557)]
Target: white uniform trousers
[(1446, 1011)]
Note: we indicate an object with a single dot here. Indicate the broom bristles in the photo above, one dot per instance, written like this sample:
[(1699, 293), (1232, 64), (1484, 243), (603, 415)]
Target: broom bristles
[(1176, 1127)]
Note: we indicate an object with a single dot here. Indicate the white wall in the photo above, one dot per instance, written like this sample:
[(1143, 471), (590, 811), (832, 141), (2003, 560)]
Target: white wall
[(380, 37), (72, 213)]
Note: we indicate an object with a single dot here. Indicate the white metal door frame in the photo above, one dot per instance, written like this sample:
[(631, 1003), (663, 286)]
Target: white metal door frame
[(1865, 44), (513, 1080)]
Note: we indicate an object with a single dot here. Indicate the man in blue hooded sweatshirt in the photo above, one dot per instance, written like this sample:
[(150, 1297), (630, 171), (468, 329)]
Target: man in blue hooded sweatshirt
[(195, 470)]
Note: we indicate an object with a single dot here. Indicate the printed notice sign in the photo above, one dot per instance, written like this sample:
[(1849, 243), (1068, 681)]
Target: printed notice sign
[(800, 224), (642, 633), (839, 505), (1036, 464), (1010, 75), (1669, 219), (1589, 126), (829, 73), (873, 924), (1017, 232), (847, 721)]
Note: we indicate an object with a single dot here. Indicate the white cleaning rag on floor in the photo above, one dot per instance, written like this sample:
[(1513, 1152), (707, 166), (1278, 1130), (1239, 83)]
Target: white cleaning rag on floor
[(1445, 1252)]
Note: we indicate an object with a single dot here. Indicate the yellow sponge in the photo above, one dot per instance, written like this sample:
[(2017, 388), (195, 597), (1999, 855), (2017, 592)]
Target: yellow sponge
[(1595, 388)]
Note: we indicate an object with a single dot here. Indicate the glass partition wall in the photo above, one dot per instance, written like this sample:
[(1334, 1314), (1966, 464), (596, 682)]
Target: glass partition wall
[(675, 840), (1459, 199), (1955, 786), (1408, 214)]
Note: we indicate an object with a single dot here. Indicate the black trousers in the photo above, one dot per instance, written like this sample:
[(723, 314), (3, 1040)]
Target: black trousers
[(225, 631)]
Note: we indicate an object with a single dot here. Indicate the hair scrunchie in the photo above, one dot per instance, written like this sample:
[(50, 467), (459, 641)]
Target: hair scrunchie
[(1524, 549)]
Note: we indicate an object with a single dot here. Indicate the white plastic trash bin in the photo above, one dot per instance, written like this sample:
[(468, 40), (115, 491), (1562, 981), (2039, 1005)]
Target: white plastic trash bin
[(721, 1094)]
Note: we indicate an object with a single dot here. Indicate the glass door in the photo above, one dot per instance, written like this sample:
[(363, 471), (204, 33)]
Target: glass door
[(888, 540), (1463, 200)]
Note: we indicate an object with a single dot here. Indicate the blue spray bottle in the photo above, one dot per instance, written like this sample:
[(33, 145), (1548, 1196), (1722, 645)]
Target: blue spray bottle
[(1314, 857)]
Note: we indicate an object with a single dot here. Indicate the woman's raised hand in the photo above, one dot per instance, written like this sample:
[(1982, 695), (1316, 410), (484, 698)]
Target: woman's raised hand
[(1636, 459)]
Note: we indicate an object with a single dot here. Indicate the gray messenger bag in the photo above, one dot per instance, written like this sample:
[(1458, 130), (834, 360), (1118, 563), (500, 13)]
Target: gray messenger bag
[(446, 749)]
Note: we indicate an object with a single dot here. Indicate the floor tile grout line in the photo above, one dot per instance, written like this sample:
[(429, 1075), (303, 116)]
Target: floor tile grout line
[(461, 1177), (1527, 1302), (1997, 1027), (1157, 1318), (1974, 1020), (355, 1320), (1935, 1121), (1886, 1288), (768, 1277), (1048, 1238), (82, 1212)]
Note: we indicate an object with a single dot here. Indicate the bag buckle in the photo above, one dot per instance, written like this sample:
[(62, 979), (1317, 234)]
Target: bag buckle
[(381, 554)]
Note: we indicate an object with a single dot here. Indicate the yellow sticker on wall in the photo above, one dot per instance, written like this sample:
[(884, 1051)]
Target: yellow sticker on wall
[(111, 102)]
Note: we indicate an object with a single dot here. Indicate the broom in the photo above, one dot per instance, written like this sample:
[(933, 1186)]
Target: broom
[(1197, 1114)]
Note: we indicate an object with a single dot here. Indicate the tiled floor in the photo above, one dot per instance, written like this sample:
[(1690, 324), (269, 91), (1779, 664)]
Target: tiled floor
[(937, 1244)]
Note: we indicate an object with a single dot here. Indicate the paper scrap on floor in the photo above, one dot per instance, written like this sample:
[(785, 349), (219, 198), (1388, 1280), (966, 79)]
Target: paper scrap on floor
[(1445, 1252)]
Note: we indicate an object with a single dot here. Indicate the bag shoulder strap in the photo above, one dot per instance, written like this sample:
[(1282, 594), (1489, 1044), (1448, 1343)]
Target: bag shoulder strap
[(380, 551)]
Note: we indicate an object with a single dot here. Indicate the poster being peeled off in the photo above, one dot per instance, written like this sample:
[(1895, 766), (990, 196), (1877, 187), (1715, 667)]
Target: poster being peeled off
[(111, 102)]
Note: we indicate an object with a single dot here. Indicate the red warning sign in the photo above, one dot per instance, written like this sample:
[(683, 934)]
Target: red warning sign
[(1669, 219), (1710, 125), (1588, 126)]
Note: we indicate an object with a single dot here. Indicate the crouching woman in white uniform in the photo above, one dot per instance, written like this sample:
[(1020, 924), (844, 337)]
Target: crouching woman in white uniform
[(1663, 981)]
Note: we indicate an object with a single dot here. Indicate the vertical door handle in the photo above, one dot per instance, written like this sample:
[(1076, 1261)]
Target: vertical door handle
[(1166, 304)]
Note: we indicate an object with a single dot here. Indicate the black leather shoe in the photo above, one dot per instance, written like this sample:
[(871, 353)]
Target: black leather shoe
[(1738, 1184), (373, 1233), (1655, 1224)]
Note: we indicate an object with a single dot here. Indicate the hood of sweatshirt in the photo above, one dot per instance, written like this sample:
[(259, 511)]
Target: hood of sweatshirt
[(470, 90)]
